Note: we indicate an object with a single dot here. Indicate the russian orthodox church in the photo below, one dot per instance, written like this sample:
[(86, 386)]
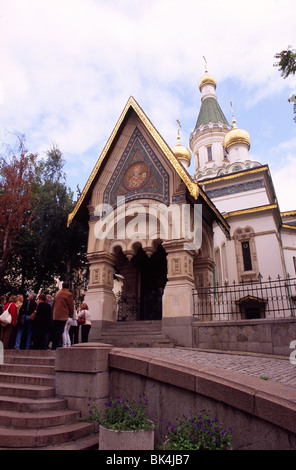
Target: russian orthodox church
[(158, 233)]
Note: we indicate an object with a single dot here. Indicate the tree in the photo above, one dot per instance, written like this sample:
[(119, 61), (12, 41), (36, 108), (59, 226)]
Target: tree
[(287, 66), (16, 179), (44, 249), (287, 62)]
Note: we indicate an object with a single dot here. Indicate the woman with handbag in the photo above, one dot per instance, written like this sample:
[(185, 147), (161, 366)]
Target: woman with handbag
[(8, 328), (84, 321)]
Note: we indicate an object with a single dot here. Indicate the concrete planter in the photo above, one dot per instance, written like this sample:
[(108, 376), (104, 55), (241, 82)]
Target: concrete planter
[(110, 439)]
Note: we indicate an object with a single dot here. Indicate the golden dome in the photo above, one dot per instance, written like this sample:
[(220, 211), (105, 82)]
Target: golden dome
[(182, 153), (236, 136), (207, 79)]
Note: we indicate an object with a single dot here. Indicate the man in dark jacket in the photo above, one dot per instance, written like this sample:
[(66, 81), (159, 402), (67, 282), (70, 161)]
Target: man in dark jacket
[(29, 306), (63, 307)]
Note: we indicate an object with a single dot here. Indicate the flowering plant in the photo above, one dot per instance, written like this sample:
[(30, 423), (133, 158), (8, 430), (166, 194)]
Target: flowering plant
[(122, 415), (197, 432)]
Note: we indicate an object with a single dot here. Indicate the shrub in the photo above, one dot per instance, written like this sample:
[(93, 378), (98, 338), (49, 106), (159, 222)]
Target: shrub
[(121, 414), (197, 432)]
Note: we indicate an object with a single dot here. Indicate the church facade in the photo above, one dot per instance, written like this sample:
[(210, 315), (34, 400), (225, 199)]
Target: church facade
[(157, 233)]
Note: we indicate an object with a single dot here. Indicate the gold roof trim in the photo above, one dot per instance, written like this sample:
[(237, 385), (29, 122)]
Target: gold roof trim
[(293, 227), (288, 213), (234, 175), (250, 210), (191, 185)]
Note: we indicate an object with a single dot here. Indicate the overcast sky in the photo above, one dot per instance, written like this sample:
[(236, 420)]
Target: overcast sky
[(68, 68)]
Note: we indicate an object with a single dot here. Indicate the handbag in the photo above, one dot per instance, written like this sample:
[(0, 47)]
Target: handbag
[(6, 318), (81, 321)]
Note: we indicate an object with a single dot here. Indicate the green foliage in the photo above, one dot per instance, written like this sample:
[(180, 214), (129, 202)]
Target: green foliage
[(286, 62), (197, 432), (44, 248), (287, 66), (121, 415)]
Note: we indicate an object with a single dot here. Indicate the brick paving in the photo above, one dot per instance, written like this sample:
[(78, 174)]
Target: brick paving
[(277, 369)]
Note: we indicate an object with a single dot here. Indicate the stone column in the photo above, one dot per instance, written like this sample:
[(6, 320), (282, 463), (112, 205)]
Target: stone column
[(177, 303), (100, 297)]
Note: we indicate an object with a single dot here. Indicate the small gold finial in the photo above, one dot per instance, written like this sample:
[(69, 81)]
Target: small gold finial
[(178, 135), (206, 64)]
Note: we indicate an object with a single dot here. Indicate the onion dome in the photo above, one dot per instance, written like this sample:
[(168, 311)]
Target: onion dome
[(207, 80), (182, 153), (236, 136)]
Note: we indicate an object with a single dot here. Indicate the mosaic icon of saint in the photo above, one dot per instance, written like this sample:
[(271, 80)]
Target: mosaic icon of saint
[(137, 177)]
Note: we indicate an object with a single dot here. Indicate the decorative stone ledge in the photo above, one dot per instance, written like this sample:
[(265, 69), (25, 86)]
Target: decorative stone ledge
[(262, 414), (262, 336), (269, 401)]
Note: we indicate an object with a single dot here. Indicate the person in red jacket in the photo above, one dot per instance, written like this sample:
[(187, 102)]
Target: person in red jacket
[(6, 331)]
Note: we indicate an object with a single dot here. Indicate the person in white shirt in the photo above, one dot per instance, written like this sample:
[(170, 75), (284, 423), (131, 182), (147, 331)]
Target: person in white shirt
[(84, 321)]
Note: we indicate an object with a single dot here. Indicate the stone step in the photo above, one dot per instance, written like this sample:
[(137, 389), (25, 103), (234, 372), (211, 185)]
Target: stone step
[(29, 352), (90, 442), (26, 405), (28, 379), (140, 335), (27, 368), (31, 416), (137, 325), (12, 438), (19, 419), (25, 390), (134, 341), (29, 357), (45, 361), (136, 334)]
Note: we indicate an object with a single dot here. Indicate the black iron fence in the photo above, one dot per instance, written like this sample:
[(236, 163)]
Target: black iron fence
[(249, 300)]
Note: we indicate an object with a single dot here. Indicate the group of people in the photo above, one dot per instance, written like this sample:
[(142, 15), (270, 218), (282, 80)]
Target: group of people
[(40, 321)]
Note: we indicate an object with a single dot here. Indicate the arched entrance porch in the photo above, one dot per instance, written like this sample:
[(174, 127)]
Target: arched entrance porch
[(144, 272)]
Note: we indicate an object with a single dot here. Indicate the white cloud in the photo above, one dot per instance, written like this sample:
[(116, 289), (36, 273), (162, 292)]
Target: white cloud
[(70, 65), (284, 181), (284, 173)]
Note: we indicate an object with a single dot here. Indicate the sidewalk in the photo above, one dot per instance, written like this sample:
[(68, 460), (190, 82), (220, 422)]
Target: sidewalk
[(276, 369)]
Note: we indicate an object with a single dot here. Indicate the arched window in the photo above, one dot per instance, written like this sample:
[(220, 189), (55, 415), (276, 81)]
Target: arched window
[(246, 256), (210, 154)]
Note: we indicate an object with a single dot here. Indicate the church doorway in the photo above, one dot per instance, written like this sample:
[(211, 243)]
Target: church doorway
[(144, 280)]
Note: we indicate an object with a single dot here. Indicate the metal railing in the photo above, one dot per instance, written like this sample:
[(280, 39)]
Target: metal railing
[(248, 300)]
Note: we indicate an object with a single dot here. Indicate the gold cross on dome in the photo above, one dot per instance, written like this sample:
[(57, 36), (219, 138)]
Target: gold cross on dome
[(206, 64), (179, 127)]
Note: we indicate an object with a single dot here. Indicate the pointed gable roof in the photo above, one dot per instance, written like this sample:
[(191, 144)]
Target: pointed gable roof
[(132, 105), (194, 189)]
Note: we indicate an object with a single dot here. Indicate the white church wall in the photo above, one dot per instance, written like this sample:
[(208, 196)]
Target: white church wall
[(289, 248), (267, 256), (241, 201)]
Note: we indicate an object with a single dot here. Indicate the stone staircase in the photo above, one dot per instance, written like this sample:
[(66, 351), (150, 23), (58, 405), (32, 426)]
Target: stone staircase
[(31, 416), (136, 334)]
